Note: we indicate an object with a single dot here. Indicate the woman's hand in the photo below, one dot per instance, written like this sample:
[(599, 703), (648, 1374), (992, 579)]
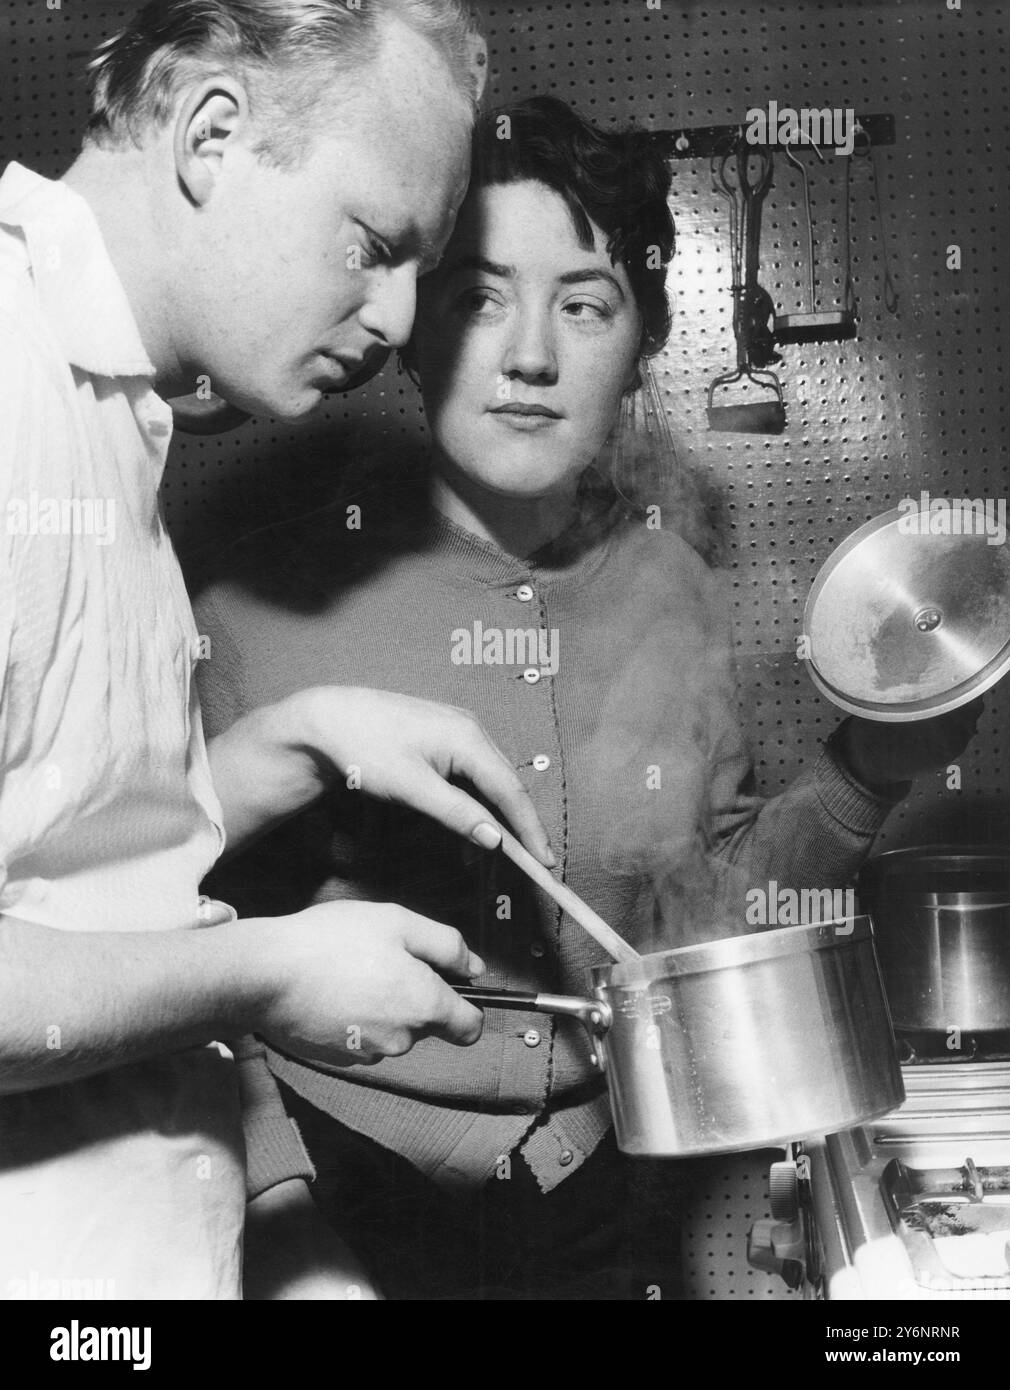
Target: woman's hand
[(882, 756), (272, 762)]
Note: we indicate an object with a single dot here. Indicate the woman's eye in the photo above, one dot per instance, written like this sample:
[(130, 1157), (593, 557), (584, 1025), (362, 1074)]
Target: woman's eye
[(477, 302), (587, 309)]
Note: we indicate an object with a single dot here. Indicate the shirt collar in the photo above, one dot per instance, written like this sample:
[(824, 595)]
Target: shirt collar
[(80, 294)]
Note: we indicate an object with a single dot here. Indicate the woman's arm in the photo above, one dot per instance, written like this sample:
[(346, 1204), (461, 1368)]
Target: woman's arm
[(818, 832), (273, 761)]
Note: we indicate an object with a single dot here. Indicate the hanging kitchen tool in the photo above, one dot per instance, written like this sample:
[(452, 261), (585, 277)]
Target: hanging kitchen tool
[(905, 622), (752, 305), (740, 1043), (863, 150), (818, 325)]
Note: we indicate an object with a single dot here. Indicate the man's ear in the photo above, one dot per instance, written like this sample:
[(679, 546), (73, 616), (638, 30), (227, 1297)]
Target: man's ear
[(210, 114), (477, 46)]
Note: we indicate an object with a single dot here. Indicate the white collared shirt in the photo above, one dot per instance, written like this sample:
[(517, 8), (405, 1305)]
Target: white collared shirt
[(108, 817)]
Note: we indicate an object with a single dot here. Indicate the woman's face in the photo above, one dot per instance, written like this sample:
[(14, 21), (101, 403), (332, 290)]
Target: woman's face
[(525, 344)]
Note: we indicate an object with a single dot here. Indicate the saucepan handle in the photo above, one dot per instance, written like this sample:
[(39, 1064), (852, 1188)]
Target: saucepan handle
[(594, 1013)]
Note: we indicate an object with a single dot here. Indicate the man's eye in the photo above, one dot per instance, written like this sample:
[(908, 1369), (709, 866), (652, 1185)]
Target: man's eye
[(375, 252)]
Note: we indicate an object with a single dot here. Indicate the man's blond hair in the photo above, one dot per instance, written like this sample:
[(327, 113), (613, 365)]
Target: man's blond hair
[(290, 53)]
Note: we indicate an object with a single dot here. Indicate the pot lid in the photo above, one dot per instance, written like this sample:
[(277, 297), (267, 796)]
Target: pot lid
[(905, 622), (928, 869)]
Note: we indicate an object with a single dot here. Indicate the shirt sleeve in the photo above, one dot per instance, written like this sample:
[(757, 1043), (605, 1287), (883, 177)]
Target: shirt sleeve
[(221, 674), (38, 593)]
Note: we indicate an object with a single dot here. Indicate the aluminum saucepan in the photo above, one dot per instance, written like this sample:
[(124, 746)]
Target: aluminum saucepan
[(941, 917), (741, 1043)]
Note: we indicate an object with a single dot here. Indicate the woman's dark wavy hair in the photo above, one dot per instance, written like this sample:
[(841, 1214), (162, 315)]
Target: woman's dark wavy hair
[(617, 179)]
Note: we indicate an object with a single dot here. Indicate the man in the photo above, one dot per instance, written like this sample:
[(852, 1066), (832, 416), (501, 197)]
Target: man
[(261, 185)]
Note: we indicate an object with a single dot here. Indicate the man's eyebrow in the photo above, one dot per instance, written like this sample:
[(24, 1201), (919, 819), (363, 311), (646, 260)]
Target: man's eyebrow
[(401, 242), (429, 254)]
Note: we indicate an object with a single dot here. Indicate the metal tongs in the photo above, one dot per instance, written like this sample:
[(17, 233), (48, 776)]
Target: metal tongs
[(752, 305)]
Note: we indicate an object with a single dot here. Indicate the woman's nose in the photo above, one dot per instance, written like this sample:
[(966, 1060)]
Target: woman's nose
[(530, 352), (388, 311)]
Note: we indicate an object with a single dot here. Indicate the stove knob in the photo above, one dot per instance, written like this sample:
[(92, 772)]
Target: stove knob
[(784, 1191), (761, 1246), (777, 1247)]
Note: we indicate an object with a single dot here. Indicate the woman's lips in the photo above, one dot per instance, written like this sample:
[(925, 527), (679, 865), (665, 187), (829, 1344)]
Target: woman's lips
[(525, 417)]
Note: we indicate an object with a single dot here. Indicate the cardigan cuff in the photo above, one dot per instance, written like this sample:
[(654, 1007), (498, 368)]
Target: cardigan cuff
[(846, 800), (274, 1149), (274, 1154)]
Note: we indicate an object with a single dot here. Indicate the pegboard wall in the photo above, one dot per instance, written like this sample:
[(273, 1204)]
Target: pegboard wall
[(729, 1195), (918, 401)]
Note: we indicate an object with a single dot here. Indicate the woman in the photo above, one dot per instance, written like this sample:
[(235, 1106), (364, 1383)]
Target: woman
[(510, 578)]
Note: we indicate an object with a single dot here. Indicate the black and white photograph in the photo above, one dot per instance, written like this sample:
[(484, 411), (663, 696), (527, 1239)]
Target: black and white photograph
[(504, 603)]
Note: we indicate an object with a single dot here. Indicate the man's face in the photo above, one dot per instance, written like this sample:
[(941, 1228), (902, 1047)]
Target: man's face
[(296, 276)]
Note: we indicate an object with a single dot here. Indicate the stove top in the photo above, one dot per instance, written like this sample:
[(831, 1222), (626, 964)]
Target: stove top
[(952, 1048), (913, 1205)]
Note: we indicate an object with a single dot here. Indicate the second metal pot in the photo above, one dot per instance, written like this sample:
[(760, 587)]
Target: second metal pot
[(741, 1043), (941, 918)]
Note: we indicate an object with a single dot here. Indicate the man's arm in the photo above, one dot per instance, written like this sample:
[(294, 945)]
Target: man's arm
[(340, 982)]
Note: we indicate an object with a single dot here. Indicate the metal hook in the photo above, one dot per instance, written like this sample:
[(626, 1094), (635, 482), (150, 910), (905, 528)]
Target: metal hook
[(810, 141), (810, 226)]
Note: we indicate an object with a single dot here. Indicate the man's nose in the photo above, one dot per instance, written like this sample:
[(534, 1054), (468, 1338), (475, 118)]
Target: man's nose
[(388, 312), (530, 352)]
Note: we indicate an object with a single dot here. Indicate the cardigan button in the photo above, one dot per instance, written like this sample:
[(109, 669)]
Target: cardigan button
[(531, 675), (524, 593), (541, 762), (565, 1157), (531, 1037)]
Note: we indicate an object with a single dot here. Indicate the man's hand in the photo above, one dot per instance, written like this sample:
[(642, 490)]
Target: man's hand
[(291, 1252), (881, 756), (272, 762), (342, 982), (352, 982)]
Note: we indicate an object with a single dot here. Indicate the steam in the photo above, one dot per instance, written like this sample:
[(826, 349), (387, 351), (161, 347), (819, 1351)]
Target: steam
[(666, 741)]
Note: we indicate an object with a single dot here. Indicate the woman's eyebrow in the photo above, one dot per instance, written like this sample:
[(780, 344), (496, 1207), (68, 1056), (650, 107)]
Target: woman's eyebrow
[(579, 277), (508, 272), (474, 262)]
